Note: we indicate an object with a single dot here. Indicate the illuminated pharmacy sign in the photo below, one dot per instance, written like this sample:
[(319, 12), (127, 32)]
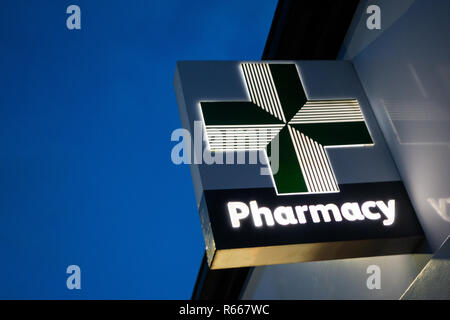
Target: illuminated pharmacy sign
[(332, 190)]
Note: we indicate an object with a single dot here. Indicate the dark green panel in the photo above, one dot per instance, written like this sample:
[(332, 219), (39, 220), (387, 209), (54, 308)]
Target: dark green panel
[(289, 88), (289, 178), (335, 134), (236, 113)]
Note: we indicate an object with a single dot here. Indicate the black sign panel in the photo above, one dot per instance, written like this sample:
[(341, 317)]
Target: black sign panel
[(245, 227)]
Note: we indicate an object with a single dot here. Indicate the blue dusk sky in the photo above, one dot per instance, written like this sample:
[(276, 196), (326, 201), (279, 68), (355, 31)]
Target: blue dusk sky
[(86, 116)]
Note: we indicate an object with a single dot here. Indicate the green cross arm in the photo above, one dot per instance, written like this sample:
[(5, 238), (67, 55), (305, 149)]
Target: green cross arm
[(235, 114), (332, 122), (287, 173), (336, 134), (238, 126)]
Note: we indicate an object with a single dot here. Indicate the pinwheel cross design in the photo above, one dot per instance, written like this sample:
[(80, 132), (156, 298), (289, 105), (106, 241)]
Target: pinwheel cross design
[(278, 107)]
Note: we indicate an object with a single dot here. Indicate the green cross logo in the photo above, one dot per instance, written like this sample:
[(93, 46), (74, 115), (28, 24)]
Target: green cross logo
[(279, 109)]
